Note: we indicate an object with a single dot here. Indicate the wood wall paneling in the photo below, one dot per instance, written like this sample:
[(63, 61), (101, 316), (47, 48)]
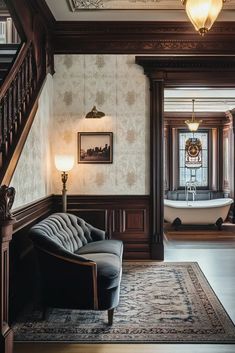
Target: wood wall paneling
[(31, 213), (123, 217)]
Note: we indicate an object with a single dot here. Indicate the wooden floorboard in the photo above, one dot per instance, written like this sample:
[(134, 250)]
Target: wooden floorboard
[(218, 265), (197, 237), (123, 348)]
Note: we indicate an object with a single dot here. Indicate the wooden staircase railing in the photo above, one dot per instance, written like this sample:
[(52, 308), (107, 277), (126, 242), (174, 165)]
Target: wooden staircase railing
[(18, 100)]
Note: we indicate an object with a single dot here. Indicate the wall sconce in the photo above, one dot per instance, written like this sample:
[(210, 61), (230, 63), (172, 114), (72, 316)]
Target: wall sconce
[(94, 114), (203, 13), (193, 124), (64, 163)]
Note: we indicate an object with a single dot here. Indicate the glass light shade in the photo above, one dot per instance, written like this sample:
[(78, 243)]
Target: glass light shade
[(203, 13), (64, 162), (192, 125)]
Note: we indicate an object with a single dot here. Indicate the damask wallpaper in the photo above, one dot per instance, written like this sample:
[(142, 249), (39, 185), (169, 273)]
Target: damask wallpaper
[(118, 87), (32, 177)]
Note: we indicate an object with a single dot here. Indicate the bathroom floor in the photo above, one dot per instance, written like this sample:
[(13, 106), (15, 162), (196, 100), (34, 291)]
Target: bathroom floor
[(200, 237)]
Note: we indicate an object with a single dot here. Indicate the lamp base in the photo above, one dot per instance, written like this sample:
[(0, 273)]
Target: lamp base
[(64, 200)]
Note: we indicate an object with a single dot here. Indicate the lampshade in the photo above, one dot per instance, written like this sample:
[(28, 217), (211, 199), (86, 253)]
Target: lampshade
[(94, 114), (64, 162), (203, 13), (193, 124)]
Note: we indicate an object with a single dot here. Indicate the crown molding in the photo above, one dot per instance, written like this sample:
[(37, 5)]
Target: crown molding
[(140, 37), (190, 71), (209, 119)]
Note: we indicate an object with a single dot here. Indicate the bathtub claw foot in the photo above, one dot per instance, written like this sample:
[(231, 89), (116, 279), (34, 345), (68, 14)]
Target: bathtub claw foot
[(176, 223), (219, 223)]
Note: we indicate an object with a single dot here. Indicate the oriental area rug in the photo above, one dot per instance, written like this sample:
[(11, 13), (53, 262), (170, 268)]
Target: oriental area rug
[(159, 303)]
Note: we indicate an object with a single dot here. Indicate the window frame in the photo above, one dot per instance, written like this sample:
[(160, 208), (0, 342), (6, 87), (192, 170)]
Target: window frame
[(209, 150)]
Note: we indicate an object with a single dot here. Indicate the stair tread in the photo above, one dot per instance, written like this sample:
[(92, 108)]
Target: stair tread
[(6, 60), (14, 46), (7, 52), (5, 65)]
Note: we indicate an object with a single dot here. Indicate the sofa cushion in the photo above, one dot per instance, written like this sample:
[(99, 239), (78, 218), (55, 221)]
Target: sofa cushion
[(109, 269), (103, 246)]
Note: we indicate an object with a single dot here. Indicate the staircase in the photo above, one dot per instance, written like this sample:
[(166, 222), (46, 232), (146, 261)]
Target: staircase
[(18, 104), (8, 53), (23, 67)]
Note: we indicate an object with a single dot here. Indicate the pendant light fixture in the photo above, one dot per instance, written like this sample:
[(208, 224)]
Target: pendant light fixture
[(203, 13), (94, 114), (193, 124)]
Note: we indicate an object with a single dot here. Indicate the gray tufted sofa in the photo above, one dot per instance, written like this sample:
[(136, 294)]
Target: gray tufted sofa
[(80, 269)]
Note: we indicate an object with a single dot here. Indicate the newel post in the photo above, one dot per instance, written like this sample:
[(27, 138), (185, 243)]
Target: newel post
[(7, 195)]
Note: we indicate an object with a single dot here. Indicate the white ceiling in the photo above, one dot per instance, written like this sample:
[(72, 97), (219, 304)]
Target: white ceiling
[(206, 100), (166, 10)]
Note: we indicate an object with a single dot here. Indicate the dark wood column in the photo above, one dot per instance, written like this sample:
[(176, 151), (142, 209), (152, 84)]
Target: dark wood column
[(6, 228), (156, 166), (156, 161), (220, 159), (233, 184)]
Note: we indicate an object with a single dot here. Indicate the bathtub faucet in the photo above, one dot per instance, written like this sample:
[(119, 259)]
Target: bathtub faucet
[(190, 188)]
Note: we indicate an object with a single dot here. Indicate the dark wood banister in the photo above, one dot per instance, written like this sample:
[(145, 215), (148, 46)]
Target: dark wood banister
[(14, 69), (18, 106)]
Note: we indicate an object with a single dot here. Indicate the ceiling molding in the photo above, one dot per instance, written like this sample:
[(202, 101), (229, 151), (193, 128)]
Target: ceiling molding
[(209, 119), (190, 71), (110, 37), (97, 5)]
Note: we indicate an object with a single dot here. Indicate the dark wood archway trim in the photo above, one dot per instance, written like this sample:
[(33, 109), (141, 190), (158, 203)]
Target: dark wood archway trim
[(174, 72), (233, 124)]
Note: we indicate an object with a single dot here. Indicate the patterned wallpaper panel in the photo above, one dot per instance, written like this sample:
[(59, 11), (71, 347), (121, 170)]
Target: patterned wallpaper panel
[(118, 87), (32, 177)]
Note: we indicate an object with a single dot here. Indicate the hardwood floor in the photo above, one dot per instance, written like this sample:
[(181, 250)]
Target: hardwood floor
[(197, 237), (217, 261)]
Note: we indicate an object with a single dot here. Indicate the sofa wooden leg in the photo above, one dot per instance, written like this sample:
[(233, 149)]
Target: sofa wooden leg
[(110, 316)]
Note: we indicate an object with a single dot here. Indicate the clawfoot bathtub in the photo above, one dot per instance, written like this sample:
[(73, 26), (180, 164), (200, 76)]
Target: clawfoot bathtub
[(197, 212)]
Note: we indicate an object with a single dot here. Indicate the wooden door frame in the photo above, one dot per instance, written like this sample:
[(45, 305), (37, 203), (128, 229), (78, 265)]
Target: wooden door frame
[(174, 71)]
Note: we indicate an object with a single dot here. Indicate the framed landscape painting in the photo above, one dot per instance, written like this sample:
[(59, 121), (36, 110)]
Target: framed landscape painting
[(95, 147)]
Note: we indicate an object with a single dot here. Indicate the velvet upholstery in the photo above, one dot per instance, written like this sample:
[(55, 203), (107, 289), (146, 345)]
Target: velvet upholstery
[(79, 268)]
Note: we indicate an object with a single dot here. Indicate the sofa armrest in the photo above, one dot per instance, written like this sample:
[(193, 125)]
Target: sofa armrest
[(96, 233), (70, 269)]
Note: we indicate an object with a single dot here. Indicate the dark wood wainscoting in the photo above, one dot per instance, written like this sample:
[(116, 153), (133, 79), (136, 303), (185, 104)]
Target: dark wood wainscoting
[(123, 217)]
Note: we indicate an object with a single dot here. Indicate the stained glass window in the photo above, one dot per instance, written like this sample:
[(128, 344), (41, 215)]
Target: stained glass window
[(201, 174)]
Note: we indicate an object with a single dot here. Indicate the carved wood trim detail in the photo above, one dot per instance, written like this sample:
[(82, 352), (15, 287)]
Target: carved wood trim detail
[(6, 226), (209, 119), (134, 37)]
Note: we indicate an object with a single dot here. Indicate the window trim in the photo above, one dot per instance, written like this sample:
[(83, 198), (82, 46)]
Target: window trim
[(209, 149)]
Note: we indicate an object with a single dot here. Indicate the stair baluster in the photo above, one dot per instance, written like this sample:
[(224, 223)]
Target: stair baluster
[(16, 103)]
